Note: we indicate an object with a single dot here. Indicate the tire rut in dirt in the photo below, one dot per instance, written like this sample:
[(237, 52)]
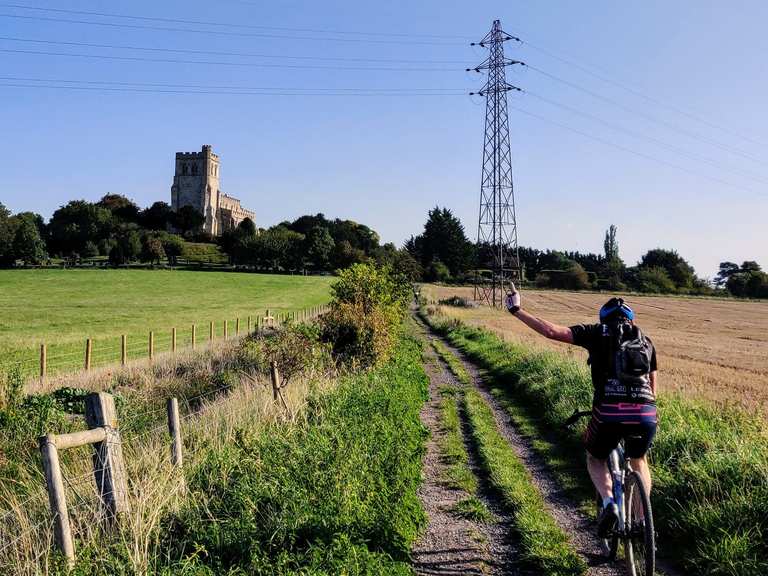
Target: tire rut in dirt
[(580, 529), (451, 544)]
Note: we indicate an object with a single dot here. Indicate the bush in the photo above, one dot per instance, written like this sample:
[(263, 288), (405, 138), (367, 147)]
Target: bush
[(654, 280), (572, 278), (437, 272), (366, 313)]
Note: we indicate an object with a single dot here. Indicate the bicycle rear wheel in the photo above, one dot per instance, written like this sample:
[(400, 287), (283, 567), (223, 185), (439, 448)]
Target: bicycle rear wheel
[(609, 545), (640, 545)]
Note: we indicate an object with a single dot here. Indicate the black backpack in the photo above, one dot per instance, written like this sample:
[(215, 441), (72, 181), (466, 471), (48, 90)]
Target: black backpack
[(629, 353)]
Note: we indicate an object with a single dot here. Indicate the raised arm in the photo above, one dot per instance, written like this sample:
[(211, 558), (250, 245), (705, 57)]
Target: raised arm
[(543, 327)]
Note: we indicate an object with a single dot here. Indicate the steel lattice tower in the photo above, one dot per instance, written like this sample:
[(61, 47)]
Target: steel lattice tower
[(497, 224)]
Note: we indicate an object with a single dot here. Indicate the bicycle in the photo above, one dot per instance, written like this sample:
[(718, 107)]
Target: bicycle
[(635, 526)]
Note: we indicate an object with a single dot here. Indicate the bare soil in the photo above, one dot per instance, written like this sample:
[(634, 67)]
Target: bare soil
[(451, 544)]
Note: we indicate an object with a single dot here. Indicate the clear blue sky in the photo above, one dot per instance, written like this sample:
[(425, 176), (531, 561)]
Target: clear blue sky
[(385, 160)]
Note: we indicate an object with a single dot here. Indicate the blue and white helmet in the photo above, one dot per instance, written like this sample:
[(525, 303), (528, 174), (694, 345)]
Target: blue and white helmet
[(616, 310)]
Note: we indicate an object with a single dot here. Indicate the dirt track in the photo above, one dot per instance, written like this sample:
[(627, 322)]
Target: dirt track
[(446, 542)]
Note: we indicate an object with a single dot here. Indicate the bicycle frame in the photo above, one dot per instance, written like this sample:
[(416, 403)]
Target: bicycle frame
[(619, 467)]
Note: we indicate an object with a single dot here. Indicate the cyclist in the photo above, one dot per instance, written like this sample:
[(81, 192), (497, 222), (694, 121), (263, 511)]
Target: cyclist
[(624, 376)]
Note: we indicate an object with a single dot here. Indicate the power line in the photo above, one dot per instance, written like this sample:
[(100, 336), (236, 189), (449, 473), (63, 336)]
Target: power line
[(458, 91), (229, 33), (234, 25), (223, 63), (220, 53), (634, 134), (693, 135), (605, 78), (287, 92), (630, 150)]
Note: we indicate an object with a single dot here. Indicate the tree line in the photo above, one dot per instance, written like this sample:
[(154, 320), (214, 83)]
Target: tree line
[(445, 254), (120, 232)]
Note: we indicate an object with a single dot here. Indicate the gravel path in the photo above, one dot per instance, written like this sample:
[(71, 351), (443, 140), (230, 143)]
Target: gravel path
[(579, 528), (454, 545)]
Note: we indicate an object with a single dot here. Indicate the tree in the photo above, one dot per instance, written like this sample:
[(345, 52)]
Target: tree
[(122, 208), (437, 272), (27, 244), (654, 279), (7, 233), (90, 250), (159, 216), (610, 244), (678, 270), (443, 240), (173, 245), (727, 269), (613, 267), (749, 281), (319, 246), (345, 255), (75, 223), (188, 219), (152, 249)]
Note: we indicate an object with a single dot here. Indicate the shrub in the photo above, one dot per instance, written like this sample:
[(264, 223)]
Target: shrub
[(366, 313), (654, 280), (437, 272)]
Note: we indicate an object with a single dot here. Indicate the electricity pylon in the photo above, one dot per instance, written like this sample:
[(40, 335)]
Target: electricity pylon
[(497, 224)]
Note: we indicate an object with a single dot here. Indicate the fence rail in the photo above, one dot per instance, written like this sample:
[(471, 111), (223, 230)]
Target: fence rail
[(123, 349)]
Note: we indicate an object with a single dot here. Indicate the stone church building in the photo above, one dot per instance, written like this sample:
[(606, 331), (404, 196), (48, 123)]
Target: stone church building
[(196, 184)]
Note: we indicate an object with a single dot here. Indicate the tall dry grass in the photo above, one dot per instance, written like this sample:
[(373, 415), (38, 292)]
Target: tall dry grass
[(210, 421)]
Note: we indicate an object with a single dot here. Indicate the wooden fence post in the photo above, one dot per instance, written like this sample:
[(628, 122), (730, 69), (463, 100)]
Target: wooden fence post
[(274, 376), (173, 340), (249, 324), (43, 361), (237, 326), (108, 464), (194, 335), (226, 332), (123, 350), (57, 498), (174, 429), (88, 349), (210, 335), (151, 345)]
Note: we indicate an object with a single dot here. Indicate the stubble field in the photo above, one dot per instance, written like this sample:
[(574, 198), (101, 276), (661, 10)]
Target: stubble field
[(711, 349)]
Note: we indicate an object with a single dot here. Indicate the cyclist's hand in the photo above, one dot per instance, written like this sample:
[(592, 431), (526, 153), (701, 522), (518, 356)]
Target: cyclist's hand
[(513, 300)]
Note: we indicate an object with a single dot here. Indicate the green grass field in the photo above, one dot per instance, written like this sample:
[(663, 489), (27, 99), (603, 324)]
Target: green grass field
[(64, 307)]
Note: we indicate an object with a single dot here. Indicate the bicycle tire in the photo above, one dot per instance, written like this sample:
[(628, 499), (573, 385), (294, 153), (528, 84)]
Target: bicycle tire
[(640, 544), (609, 545)]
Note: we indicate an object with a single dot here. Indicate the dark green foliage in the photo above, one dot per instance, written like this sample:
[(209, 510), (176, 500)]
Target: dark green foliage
[(710, 465), (748, 280), (90, 250), (319, 247), (654, 280), (437, 272), (76, 223), (152, 249), (159, 216), (679, 271), (573, 277), (333, 495), (122, 208), (173, 246), (188, 219), (27, 245), (443, 240)]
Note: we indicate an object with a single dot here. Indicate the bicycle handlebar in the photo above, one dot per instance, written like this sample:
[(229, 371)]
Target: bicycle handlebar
[(575, 417)]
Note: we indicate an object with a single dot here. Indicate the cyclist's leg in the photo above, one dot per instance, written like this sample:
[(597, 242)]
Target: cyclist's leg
[(600, 475), (637, 441), (600, 439)]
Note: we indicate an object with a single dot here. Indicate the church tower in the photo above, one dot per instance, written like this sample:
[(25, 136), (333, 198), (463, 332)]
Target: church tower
[(196, 184)]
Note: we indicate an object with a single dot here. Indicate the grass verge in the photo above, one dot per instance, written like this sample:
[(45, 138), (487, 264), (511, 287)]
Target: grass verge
[(333, 494), (710, 465)]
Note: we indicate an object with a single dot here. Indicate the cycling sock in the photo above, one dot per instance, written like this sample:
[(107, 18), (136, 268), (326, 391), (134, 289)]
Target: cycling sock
[(606, 501)]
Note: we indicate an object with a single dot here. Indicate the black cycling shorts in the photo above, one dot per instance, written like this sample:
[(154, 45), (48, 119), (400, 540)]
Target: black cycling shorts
[(601, 438)]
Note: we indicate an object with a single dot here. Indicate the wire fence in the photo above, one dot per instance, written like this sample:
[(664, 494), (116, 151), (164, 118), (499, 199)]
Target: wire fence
[(27, 532), (58, 359)]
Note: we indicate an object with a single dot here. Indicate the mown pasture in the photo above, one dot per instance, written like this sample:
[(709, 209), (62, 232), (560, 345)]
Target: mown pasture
[(64, 307)]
